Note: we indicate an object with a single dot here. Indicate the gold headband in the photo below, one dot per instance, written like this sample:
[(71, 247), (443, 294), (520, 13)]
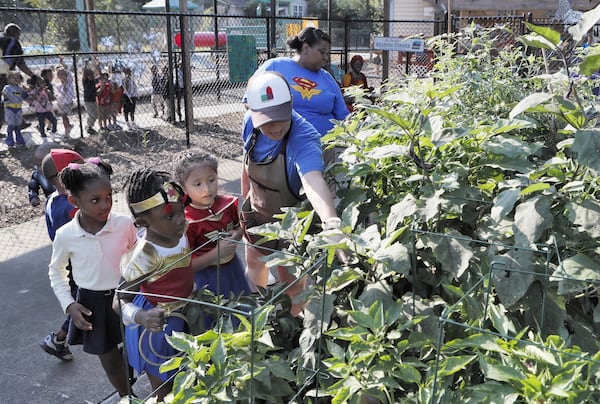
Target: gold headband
[(167, 194)]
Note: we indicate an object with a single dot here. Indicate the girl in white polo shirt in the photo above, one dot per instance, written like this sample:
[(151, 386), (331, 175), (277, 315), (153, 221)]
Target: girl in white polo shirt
[(94, 242)]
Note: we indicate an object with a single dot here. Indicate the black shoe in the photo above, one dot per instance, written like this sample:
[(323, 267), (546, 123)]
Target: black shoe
[(59, 349)]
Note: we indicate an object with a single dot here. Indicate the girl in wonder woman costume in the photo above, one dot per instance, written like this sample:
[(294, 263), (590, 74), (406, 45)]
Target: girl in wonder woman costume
[(159, 267)]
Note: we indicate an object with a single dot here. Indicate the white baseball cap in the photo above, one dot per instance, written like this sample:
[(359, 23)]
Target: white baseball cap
[(269, 99)]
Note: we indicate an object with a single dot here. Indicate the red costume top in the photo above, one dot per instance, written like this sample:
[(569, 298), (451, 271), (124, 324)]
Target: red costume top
[(205, 224)]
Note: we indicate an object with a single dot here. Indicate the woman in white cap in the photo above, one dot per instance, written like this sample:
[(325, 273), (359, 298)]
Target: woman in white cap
[(282, 155)]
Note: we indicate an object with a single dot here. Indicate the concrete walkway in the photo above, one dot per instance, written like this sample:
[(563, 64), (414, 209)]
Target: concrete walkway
[(31, 311)]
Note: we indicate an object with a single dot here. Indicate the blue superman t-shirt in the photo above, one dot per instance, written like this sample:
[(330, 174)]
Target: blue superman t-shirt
[(315, 95)]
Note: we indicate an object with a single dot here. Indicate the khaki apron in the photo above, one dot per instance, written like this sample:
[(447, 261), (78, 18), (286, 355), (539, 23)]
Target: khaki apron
[(269, 192)]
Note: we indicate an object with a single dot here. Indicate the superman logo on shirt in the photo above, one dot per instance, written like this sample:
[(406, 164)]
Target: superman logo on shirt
[(305, 87)]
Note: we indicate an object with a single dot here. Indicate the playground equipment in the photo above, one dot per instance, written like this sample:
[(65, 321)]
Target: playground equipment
[(204, 39)]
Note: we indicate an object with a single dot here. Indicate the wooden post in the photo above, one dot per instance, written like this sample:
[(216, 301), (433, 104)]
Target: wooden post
[(449, 18), (186, 45), (91, 22)]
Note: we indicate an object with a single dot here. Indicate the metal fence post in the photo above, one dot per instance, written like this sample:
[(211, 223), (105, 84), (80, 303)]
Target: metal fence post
[(76, 79)]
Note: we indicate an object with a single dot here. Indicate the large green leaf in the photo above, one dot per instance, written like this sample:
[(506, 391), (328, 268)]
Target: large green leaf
[(586, 216), (587, 22), (395, 118), (504, 203), (432, 205), (539, 354), (580, 267), (511, 125), (512, 275), (395, 258), (380, 290), (529, 102), (453, 253), (590, 65), (399, 211), (501, 322), (453, 364), (392, 150), (486, 342), (510, 146), (519, 164), (546, 32), (587, 146), (218, 353), (498, 372), (532, 217), (537, 41)]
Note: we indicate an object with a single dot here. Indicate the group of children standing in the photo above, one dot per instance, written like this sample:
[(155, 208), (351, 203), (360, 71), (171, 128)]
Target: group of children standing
[(106, 96), (42, 96), (166, 250)]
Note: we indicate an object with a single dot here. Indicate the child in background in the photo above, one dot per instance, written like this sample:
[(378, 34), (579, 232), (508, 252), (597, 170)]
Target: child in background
[(93, 242), (130, 94), (217, 267), (103, 101), (38, 98), (116, 99), (158, 264), (47, 75), (65, 94), (164, 79), (355, 77), (89, 82), (158, 90), (59, 211), (38, 180), (12, 97)]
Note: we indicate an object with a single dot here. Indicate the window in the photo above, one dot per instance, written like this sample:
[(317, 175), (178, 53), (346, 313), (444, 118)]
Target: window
[(298, 10)]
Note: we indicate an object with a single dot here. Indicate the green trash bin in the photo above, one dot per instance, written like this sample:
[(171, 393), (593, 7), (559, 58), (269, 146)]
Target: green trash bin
[(243, 60)]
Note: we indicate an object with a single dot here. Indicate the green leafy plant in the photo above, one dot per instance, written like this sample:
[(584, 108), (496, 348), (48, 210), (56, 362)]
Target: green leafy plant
[(469, 205)]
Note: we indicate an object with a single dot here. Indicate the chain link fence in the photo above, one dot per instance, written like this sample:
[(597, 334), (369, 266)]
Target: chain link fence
[(219, 65)]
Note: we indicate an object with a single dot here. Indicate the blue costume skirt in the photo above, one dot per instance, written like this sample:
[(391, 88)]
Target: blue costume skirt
[(225, 280), (148, 350)]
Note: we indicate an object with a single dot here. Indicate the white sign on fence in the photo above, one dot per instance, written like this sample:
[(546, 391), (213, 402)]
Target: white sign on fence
[(399, 44)]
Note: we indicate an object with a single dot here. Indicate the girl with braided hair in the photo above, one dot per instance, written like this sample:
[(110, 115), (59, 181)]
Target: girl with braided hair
[(156, 275), (93, 242)]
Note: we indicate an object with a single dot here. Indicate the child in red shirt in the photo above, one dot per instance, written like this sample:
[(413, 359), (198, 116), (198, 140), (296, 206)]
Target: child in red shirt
[(103, 100)]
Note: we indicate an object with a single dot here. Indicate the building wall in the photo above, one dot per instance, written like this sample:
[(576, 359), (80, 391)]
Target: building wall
[(412, 10)]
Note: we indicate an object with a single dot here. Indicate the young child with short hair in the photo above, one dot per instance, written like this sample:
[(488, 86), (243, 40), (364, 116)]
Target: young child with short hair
[(159, 264), (158, 90), (38, 180), (58, 211), (103, 101), (88, 83), (130, 95), (93, 242), (47, 75), (215, 262), (13, 96), (65, 94), (116, 99), (38, 98)]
